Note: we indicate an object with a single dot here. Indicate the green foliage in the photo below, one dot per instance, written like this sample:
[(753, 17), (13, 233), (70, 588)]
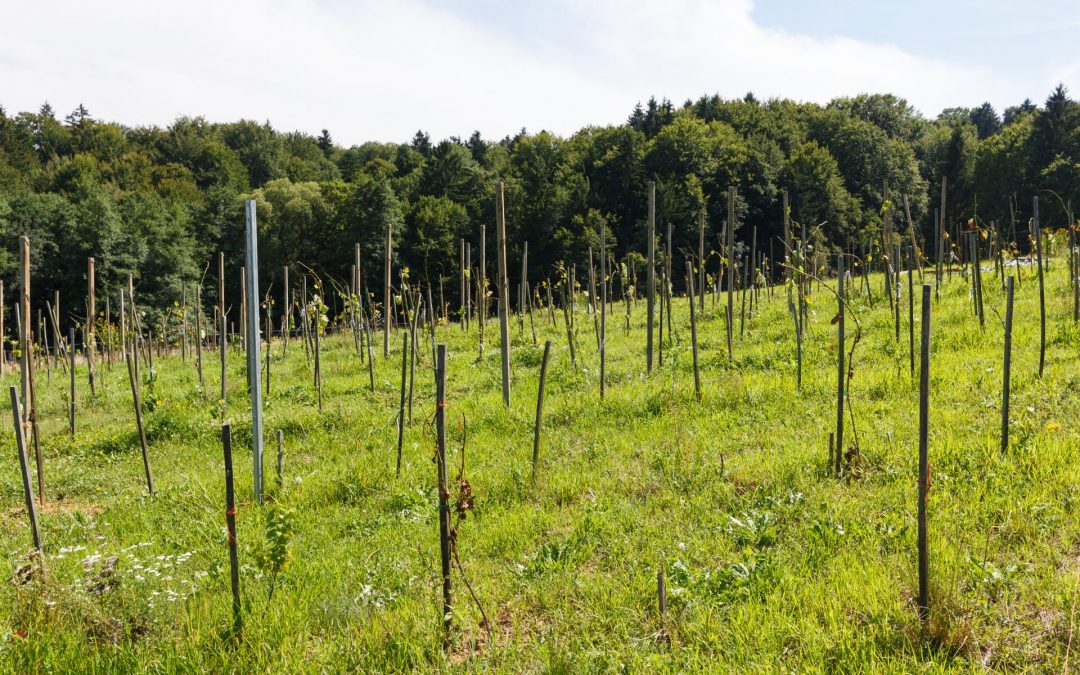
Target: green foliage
[(158, 203), (271, 553), (772, 562)]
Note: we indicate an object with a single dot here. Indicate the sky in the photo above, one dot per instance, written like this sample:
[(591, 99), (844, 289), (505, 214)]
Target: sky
[(382, 69)]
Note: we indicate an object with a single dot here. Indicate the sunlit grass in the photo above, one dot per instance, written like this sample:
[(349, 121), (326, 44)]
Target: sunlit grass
[(772, 562)]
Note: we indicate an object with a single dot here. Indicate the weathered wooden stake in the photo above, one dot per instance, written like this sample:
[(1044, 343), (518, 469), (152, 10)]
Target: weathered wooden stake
[(693, 328), (1006, 370), (911, 314), (443, 488), (730, 252), (198, 334), (71, 404), (230, 525), (661, 592), (924, 463), (701, 260), (386, 291), (223, 333), (914, 242), (136, 402), (29, 390), (841, 371), (24, 466), (540, 408), (650, 279), (504, 290), (91, 318), (315, 331), (1042, 287), (603, 306), (401, 405), (939, 223)]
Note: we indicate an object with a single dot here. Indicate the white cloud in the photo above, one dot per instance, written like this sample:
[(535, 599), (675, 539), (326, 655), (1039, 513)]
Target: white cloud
[(380, 70)]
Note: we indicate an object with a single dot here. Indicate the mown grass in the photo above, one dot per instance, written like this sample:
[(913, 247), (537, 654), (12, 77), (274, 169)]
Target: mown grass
[(772, 562)]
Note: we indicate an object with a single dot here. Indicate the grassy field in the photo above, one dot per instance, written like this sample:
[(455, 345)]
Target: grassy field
[(772, 563)]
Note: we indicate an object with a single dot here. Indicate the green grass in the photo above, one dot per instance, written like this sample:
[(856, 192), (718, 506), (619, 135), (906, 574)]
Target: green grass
[(772, 563)]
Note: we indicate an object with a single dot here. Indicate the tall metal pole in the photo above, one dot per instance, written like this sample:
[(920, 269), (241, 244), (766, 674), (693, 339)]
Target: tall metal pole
[(504, 290), (650, 279), (254, 373)]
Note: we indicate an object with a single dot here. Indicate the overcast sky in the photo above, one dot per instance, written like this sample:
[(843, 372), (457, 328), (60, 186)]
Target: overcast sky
[(381, 69)]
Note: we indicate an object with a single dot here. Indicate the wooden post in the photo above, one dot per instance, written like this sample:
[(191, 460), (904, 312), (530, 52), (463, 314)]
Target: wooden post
[(667, 281), (183, 323), (123, 328), (661, 592), (941, 233), (269, 333), (894, 273), (223, 333), (1006, 370), (977, 263), (466, 298), (71, 404), (1074, 277), (136, 402), (286, 311), (413, 348), (603, 304), (743, 289), (911, 314), (841, 371), (198, 335), (787, 236), (108, 335), (91, 318), (463, 288), (924, 463), (354, 323), (401, 405), (701, 260), (370, 355), (566, 302), (3, 335), (315, 331), (481, 287), (650, 279), (751, 274), (29, 391), (305, 320), (443, 487), (1042, 287), (540, 408), (693, 329), (230, 525), (660, 316), (24, 468), (730, 268), (355, 303), (914, 242), (524, 277), (386, 290), (504, 290)]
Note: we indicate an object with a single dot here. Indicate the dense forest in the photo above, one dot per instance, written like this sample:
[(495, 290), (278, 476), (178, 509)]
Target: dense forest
[(160, 202)]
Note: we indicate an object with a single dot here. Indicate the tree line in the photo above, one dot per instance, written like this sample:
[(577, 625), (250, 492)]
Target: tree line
[(159, 203)]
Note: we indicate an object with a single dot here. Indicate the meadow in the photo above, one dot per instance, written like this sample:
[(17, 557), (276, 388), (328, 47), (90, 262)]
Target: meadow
[(772, 561)]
